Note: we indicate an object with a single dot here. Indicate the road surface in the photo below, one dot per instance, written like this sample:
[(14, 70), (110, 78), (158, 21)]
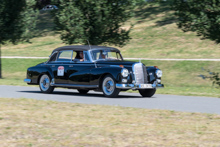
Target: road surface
[(158, 101)]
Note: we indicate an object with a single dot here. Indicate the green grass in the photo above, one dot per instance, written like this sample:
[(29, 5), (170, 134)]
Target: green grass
[(155, 35), (179, 77), (28, 122), (14, 70)]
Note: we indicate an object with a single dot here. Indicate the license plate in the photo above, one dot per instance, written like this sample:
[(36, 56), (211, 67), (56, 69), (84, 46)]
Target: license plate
[(145, 86)]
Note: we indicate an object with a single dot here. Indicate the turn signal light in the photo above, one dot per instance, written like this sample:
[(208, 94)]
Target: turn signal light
[(121, 66), (156, 66)]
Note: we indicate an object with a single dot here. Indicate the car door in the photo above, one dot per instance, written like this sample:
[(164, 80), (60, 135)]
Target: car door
[(60, 66), (79, 71)]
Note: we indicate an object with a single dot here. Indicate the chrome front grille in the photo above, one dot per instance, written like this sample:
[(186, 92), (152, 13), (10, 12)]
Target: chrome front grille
[(140, 73)]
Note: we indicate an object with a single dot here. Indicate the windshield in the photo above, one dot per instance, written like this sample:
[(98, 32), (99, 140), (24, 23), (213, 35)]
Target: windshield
[(105, 55)]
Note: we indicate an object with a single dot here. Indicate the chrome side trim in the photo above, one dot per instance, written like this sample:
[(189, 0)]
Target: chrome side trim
[(115, 66), (75, 64), (74, 85), (27, 80)]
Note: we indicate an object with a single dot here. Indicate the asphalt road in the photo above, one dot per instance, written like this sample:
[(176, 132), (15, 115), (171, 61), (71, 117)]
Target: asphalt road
[(158, 101)]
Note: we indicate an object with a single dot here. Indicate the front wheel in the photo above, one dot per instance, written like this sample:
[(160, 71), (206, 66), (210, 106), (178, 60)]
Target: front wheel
[(44, 84), (147, 92), (109, 87)]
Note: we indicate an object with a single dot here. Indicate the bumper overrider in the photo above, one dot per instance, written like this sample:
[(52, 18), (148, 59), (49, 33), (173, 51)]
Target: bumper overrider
[(139, 86), (27, 80)]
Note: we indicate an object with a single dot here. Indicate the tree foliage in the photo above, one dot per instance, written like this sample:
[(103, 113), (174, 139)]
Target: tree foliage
[(98, 21), (17, 20), (41, 3), (201, 16), (213, 76)]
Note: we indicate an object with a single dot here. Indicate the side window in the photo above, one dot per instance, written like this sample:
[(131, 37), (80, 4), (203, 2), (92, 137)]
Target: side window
[(75, 55), (80, 56), (65, 56), (86, 57), (118, 56), (112, 55), (96, 55), (53, 57)]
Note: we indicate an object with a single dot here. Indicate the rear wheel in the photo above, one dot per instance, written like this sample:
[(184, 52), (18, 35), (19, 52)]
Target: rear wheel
[(109, 87), (44, 84), (83, 91), (147, 92)]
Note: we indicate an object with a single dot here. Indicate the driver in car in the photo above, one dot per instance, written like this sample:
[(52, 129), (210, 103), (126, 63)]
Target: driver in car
[(79, 56)]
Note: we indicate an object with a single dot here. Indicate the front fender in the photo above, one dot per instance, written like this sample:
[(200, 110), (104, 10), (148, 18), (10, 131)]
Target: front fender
[(97, 74), (151, 71), (34, 73)]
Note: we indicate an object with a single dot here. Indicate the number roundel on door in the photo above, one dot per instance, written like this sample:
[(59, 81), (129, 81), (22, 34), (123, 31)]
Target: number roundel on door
[(60, 71)]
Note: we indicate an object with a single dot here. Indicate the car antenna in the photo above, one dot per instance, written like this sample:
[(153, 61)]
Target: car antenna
[(89, 44), (91, 48)]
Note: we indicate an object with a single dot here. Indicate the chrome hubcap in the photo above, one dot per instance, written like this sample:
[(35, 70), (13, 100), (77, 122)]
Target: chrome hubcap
[(108, 86), (44, 82)]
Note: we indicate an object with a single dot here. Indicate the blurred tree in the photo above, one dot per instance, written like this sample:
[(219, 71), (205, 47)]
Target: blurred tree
[(41, 3), (17, 21), (213, 76), (201, 16), (98, 21)]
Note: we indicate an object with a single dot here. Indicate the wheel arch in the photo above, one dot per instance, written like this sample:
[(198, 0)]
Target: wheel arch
[(47, 72), (102, 72), (102, 77)]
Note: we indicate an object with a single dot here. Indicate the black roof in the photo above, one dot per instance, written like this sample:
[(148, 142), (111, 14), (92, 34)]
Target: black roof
[(83, 48)]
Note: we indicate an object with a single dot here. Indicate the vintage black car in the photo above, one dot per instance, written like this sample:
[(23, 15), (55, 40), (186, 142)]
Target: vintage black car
[(96, 68)]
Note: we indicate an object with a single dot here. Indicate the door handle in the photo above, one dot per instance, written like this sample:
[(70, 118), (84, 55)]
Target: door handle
[(70, 65), (53, 65)]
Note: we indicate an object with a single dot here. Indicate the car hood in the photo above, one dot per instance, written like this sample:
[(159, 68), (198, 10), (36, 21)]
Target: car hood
[(126, 64), (116, 62)]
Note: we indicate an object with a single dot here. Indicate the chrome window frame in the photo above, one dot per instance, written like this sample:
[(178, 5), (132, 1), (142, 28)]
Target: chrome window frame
[(89, 53), (65, 51), (83, 57), (91, 56), (71, 61), (51, 56)]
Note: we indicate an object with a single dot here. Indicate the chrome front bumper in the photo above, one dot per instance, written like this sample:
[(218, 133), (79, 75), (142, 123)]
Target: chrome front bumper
[(139, 86), (27, 80)]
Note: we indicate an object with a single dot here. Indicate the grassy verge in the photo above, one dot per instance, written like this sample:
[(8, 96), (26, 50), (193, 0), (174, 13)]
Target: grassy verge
[(27, 122), (14, 70), (182, 77), (179, 77), (155, 35)]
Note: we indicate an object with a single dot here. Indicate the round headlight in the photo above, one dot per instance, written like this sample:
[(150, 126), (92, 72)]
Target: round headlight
[(159, 73), (124, 72)]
